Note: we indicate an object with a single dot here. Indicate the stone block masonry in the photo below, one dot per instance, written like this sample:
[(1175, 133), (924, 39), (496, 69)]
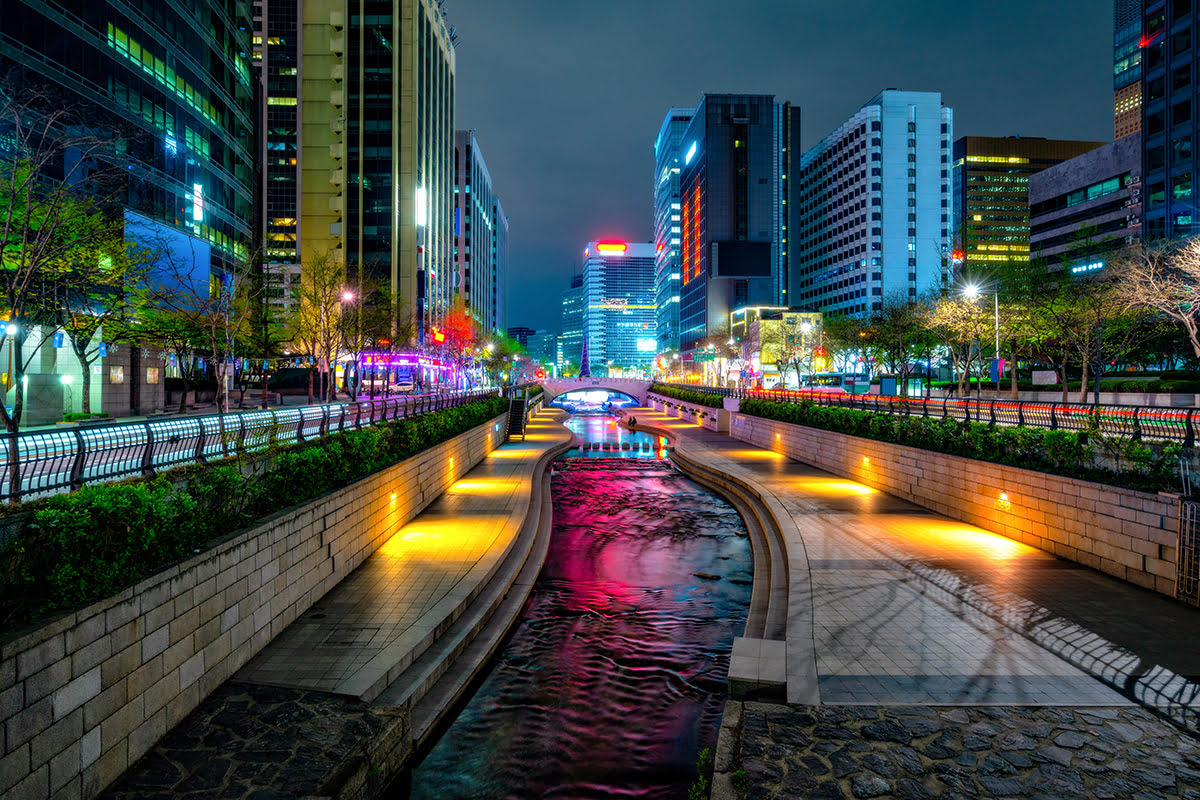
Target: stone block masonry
[(86, 695), (1129, 534)]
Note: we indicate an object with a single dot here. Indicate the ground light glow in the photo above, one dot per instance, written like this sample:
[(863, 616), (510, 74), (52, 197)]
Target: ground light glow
[(832, 487), (950, 536)]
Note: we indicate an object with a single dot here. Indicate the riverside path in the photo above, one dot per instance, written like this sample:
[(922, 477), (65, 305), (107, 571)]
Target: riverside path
[(927, 657)]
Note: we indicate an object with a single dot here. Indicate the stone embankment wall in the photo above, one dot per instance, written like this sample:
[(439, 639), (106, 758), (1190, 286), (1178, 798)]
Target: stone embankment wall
[(714, 419), (1128, 534), (85, 696)]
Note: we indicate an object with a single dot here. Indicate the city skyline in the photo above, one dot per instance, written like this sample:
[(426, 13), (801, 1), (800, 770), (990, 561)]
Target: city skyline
[(1057, 84)]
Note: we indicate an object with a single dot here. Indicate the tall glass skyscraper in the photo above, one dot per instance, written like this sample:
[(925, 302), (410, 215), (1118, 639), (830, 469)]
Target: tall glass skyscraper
[(618, 305), (874, 202), (1170, 119), (1127, 67), (178, 76), (667, 210), (734, 189), (572, 322), (480, 249)]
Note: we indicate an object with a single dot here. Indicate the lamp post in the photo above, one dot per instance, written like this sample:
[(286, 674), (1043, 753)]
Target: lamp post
[(805, 328), (971, 292)]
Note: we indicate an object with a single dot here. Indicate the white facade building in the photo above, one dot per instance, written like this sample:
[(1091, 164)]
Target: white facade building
[(875, 204)]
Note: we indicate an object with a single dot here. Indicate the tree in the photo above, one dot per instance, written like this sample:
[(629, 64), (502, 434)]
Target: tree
[(455, 338), (97, 297), (897, 333), (56, 183), (313, 322), (1165, 279), (959, 324)]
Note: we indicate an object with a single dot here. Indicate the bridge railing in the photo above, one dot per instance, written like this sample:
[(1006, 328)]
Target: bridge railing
[(1129, 422), (42, 462)]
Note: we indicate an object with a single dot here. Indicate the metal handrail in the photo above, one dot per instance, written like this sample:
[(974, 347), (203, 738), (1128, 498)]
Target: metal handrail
[(1158, 423), (52, 461)]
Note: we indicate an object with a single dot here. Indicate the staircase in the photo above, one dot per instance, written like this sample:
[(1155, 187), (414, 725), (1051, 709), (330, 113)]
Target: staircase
[(516, 417)]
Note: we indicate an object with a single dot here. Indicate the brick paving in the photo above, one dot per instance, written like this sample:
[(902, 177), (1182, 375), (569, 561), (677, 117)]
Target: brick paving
[(831, 751)]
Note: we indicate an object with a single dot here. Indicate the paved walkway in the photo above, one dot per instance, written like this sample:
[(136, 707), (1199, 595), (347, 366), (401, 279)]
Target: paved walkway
[(369, 628), (291, 722), (909, 607)]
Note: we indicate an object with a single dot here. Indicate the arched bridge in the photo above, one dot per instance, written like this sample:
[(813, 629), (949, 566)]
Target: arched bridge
[(634, 387)]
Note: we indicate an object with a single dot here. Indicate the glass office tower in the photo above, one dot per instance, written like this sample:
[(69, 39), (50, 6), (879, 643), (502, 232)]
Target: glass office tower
[(618, 306), (173, 82), (667, 210)]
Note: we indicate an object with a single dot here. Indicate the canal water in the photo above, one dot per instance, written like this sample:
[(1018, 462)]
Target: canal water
[(615, 677)]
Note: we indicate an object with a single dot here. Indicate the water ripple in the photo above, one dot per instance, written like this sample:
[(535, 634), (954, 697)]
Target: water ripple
[(614, 679)]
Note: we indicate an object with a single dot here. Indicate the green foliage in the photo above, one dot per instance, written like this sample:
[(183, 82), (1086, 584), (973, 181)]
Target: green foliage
[(74, 549), (1077, 454), (688, 395), (699, 790), (75, 417)]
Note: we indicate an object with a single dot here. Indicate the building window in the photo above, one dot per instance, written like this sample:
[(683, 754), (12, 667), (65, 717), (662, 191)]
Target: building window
[(1181, 186)]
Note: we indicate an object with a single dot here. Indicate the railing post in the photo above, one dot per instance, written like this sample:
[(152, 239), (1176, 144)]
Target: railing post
[(1189, 434), (1020, 414), (148, 452), (1054, 416), (1137, 426), (300, 427), (325, 420), (241, 440), (992, 409), (200, 441), (77, 464)]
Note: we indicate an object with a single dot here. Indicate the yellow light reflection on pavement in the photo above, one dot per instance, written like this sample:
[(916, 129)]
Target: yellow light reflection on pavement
[(832, 487), (950, 536)]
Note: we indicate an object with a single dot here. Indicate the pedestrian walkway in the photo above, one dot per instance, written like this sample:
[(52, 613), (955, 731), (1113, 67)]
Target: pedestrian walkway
[(292, 722), (907, 607), (372, 625)]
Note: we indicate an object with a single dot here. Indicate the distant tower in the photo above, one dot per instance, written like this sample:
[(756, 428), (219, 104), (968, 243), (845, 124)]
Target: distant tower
[(1127, 67), (584, 370)]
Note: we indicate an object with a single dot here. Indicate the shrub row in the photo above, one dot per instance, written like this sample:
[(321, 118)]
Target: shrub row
[(1077, 454), (688, 395), (74, 549), (1177, 385)]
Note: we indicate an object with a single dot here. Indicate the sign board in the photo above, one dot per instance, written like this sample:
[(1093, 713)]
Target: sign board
[(1045, 377), (151, 375), (116, 374), (704, 357)]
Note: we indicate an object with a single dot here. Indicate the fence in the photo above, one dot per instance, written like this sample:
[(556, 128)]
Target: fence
[(50, 461), (1132, 422)]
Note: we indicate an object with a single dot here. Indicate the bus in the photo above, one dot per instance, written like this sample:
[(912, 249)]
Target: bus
[(850, 382)]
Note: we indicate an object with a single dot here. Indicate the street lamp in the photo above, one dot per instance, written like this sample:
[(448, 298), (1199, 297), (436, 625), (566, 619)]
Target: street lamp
[(971, 291)]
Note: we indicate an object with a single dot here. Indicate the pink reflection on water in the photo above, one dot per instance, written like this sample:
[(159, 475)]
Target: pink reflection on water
[(615, 677)]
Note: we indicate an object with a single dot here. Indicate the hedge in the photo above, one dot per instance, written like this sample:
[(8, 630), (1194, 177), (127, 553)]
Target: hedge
[(1181, 386), (688, 396), (1076, 454), (74, 549)]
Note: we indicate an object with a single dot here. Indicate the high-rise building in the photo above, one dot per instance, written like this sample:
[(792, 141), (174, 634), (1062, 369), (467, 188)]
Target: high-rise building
[(618, 306), (991, 194), (667, 212), (521, 334), (874, 200), (1127, 67), (572, 323), (377, 145), (179, 78), (500, 273), (1082, 210), (1170, 117), (477, 257), (734, 216)]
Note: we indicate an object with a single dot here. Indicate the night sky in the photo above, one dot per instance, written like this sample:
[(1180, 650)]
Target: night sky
[(567, 96)]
